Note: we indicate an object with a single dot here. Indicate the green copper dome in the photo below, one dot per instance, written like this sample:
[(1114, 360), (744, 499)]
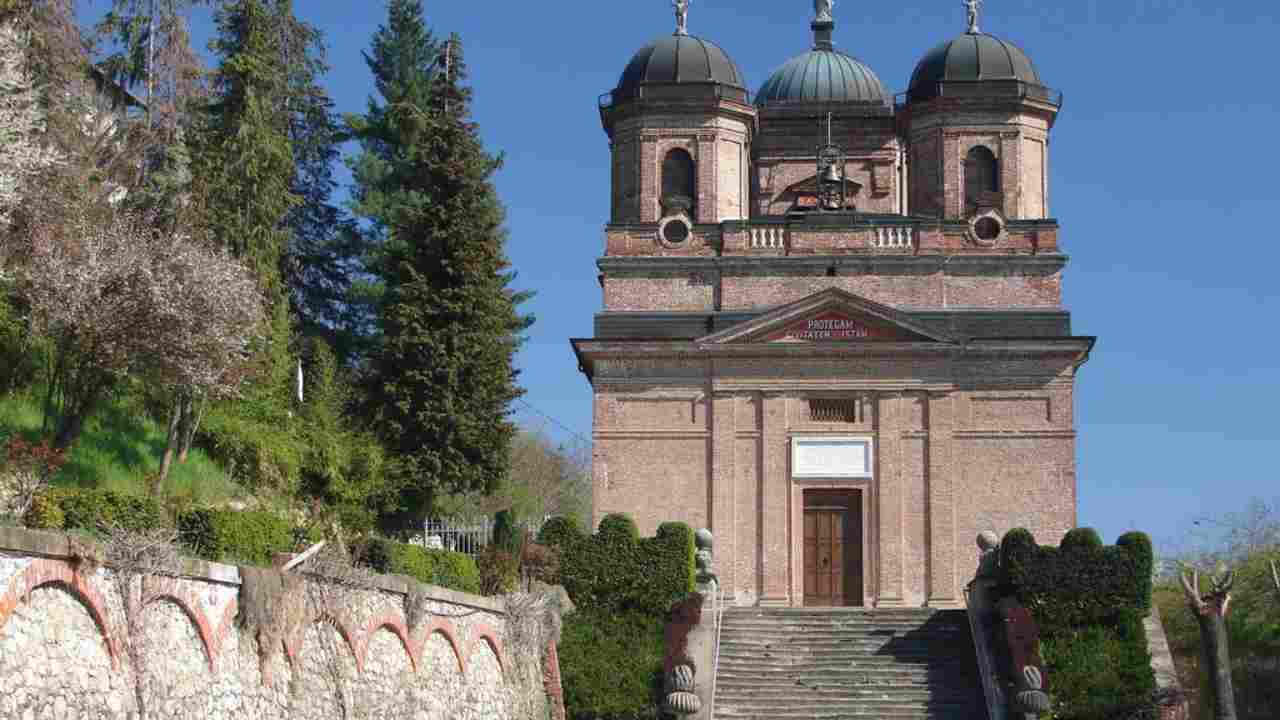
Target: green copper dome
[(823, 75), (972, 57)]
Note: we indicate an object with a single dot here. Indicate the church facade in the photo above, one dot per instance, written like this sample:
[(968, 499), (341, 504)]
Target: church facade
[(833, 329)]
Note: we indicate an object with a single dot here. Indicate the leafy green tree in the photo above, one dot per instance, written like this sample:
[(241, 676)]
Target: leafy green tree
[(442, 376)]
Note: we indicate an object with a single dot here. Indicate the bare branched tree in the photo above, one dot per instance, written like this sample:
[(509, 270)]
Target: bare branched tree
[(118, 296), (1211, 611)]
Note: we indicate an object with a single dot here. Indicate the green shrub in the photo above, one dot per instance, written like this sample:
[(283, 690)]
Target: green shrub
[(560, 531), (1088, 601), (1085, 537), (611, 665), (45, 514), (249, 537), (613, 570), (499, 571), (1100, 673), (618, 527), (505, 534), (443, 568), (257, 453), (1078, 585), (92, 510)]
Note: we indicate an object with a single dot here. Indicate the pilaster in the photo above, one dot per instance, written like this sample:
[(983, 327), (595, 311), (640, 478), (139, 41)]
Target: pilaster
[(892, 421), (723, 485), (774, 503), (941, 472)]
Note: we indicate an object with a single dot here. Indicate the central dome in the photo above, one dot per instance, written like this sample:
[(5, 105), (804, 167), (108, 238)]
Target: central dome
[(823, 75)]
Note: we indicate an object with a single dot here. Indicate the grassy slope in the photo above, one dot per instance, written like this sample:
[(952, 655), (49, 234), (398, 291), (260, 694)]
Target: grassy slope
[(120, 447)]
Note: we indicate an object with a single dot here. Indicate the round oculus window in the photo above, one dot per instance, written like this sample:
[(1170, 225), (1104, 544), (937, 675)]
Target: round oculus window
[(987, 228), (675, 232)]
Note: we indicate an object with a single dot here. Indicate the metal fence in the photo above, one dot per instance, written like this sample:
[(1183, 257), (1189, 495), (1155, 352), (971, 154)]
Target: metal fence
[(465, 535)]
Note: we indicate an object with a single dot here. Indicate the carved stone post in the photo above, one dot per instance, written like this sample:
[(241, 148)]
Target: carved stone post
[(690, 638), (1025, 668), (983, 623)]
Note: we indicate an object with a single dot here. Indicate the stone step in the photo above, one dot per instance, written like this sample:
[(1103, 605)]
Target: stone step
[(767, 626), (828, 639), (835, 651), (901, 664), (846, 710), (868, 675), (808, 692)]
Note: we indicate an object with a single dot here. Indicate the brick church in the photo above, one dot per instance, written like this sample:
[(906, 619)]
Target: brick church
[(833, 329)]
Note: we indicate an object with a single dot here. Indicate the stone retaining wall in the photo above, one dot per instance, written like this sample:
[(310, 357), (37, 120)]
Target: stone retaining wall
[(65, 649)]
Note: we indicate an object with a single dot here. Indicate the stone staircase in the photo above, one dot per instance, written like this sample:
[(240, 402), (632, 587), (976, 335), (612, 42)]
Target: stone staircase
[(849, 664)]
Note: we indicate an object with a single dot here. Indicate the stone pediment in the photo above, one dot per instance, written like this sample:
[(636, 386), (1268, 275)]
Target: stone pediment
[(804, 194), (829, 316)]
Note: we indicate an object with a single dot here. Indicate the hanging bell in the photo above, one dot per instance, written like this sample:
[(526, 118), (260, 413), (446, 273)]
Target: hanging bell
[(831, 176)]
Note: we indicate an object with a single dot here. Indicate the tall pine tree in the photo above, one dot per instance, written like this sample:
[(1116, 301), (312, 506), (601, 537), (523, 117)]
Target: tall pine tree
[(442, 377), (243, 170)]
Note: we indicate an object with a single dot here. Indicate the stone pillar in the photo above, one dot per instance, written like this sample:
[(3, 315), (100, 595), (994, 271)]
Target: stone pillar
[(724, 482), (707, 179), (889, 478), (1011, 174), (952, 182), (650, 177), (775, 503), (942, 470)]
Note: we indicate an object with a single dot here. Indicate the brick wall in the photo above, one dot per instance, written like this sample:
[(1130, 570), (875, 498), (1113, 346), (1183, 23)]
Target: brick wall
[(991, 448)]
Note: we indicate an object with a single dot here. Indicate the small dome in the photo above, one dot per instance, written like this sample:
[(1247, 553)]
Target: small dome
[(678, 60), (823, 75), (968, 58)]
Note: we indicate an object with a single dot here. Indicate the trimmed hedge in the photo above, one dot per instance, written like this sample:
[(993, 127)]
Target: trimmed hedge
[(1088, 601), (560, 531), (245, 536), (444, 568), (79, 509), (1080, 583), (611, 665), (1100, 673), (616, 570)]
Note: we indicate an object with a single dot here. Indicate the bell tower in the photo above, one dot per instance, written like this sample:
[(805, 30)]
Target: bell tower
[(977, 121), (680, 130)]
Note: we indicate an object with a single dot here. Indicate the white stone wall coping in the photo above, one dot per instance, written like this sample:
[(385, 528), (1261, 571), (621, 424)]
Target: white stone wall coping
[(41, 543)]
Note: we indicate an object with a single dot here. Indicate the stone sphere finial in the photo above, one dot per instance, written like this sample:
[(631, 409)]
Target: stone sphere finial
[(988, 541), (703, 539)]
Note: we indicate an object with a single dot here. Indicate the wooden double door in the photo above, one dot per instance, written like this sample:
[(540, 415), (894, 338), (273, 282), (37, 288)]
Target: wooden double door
[(832, 548)]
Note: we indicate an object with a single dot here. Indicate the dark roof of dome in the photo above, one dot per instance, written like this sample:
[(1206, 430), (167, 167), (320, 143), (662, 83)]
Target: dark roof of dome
[(970, 57), (823, 75), (677, 60)]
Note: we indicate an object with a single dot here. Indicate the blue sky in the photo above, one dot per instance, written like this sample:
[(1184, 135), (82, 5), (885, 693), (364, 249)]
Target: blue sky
[(1162, 166)]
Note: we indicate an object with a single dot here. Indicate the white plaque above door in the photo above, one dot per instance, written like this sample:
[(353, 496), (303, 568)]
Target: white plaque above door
[(831, 457)]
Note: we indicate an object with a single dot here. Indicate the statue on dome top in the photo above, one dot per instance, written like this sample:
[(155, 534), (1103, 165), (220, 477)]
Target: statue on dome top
[(682, 16), (971, 8), (822, 10)]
